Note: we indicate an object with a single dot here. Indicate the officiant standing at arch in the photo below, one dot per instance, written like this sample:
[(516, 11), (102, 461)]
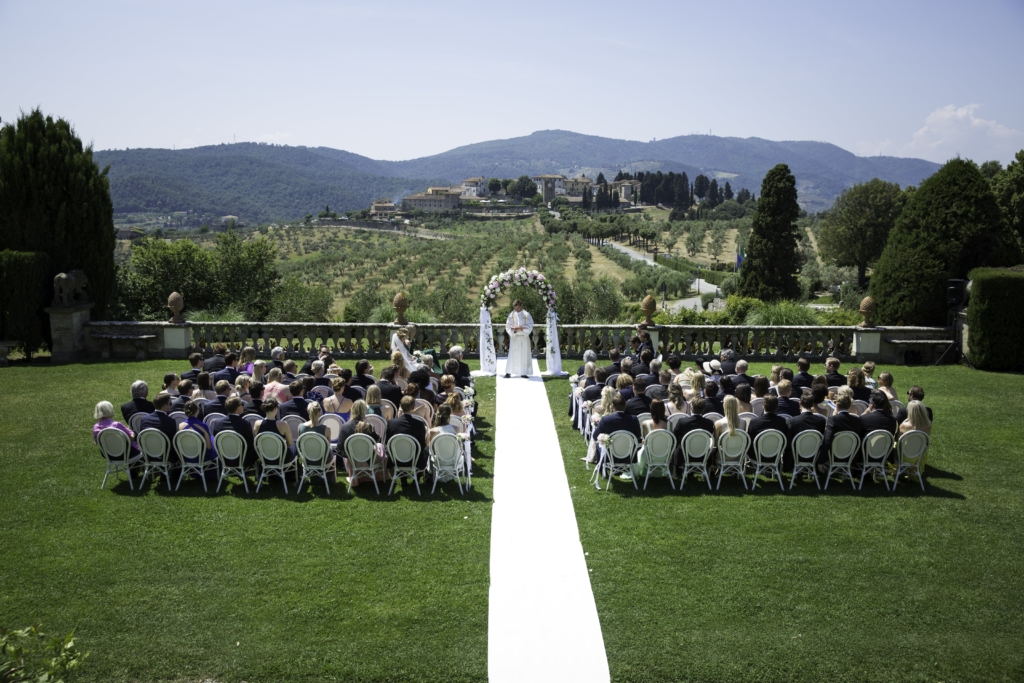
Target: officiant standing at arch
[(519, 325)]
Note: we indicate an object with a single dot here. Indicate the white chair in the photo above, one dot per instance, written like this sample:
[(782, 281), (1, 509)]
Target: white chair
[(859, 407), (875, 448), (841, 455), (674, 418), (896, 406), (910, 452), (404, 452), (361, 452), (322, 391), (697, 446), (461, 393), (388, 409), (714, 417), (252, 419), (156, 454), (805, 449), (231, 453), (643, 417), (401, 383), (379, 426), (435, 386), (769, 446), (621, 447), (191, 448), (272, 451), (456, 421), (423, 403), (178, 416), (135, 422), (446, 459), (732, 455), (757, 404), (334, 423), (213, 420), (746, 418), (425, 421), (293, 422), (116, 448), (316, 456), (659, 445)]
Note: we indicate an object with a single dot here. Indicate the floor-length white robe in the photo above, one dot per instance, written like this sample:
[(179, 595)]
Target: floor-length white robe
[(519, 360), (398, 345)]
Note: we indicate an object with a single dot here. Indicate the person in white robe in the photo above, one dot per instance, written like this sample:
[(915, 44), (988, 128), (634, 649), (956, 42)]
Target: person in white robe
[(399, 342), (519, 325)]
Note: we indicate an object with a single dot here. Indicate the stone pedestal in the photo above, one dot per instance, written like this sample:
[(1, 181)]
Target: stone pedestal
[(867, 342), (67, 327), (177, 340)]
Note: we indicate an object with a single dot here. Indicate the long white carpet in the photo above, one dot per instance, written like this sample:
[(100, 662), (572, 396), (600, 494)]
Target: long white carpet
[(542, 621)]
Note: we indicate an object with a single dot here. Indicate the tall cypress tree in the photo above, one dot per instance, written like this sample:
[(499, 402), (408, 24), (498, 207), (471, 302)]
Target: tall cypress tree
[(728, 191), (769, 272), (54, 199), (712, 199)]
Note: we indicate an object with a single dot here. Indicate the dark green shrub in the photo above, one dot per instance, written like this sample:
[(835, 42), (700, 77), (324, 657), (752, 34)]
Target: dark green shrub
[(770, 270), (995, 318), (777, 313), (24, 286), (739, 307), (850, 296), (706, 299), (949, 226)]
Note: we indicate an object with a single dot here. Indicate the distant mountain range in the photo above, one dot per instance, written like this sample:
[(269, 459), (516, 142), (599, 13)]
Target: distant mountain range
[(260, 182)]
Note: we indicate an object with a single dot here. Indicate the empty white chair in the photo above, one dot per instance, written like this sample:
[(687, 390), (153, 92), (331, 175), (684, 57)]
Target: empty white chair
[(805, 449), (732, 455), (116, 448), (156, 454), (714, 417), (875, 448), (361, 452), (293, 422), (697, 446), (769, 446), (135, 422), (619, 454), (178, 416), (388, 409), (446, 459), (404, 452), (316, 456), (272, 451), (859, 407), (191, 448), (334, 423), (379, 425), (757, 404), (841, 456), (231, 451), (656, 456), (910, 452)]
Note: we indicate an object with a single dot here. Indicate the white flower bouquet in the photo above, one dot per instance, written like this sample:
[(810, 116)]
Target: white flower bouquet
[(462, 436), (587, 404), (469, 392), (603, 439)]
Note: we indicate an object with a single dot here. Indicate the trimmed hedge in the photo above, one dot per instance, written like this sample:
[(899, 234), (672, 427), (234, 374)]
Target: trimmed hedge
[(24, 285), (995, 318)]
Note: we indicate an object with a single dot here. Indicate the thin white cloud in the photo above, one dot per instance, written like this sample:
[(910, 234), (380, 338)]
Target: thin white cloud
[(951, 130)]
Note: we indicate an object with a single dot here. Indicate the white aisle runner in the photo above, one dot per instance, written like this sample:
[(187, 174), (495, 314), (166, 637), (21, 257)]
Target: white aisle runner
[(542, 620)]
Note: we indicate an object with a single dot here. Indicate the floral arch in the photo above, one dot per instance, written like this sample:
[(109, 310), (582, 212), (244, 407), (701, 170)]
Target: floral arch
[(489, 295)]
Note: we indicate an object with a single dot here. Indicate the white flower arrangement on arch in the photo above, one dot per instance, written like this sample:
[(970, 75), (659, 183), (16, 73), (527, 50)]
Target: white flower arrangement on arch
[(518, 276)]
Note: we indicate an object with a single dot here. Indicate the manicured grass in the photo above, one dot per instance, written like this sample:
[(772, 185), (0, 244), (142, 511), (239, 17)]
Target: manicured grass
[(188, 586), (830, 586)]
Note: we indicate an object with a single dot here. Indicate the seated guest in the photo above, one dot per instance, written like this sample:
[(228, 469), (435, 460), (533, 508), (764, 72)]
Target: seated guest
[(272, 425), (405, 423), (259, 371), (183, 397), (627, 366), (624, 384), (373, 400), (593, 392), (803, 379), (727, 358), (643, 366), (103, 413), (196, 361), (808, 419), (713, 369), (289, 371), (338, 404), (277, 358), (139, 402), (634, 349), (204, 387), (731, 422), (775, 377), (216, 362), (694, 421), (660, 390), (398, 360), (275, 388), (463, 375), (820, 391), (427, 361), (918, 419), (242, 384), (726, 386), (451, 367), (217, 405), (698, 386), (674, 364), (638, 402), (879, 414), (855, 380), (761, 386), (915, 393), (441, 424), (618, 420), (296, 405), (652, 378), (787, 406), (230, 370), (589, 356), (308, 384), (421, 378), (615, 365), (323, 355), (170, 384), (589, 375), (741, 374), (885, 381), (358, 412), (767, 420), (363, 376), (351, 391), (195, 423), (742, 394), (659, 418), (832, 375), (447, 388), (256, 393), (842, 421), (247, 361), (235, 423), (313, 423), (412, 389), (712, 401), (318, 374), (785, 375), (161, 421), (458, 409), (389, 391), (869, 370), (676, 402)]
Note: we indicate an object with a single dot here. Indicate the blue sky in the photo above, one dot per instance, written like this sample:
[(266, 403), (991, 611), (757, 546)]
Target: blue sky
[(397, 80)]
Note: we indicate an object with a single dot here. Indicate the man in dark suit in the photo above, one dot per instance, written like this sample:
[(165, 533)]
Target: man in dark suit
[(277, 358), (728, 360), (802, 379), (235, 423), (216, 362), (690, 423), (256, 394), (787, 406), (807, 419), (162, 422), (616, 363), (388, 389), (727, 387), (363, 377), (463, 374), (196, 361), (832, 375), (712, 400), (659, 390), (218, 405), (638, 402), (354, 393), (230, 371), (768, 420), (879, 414), (842, 421), (916, 393), (407, 424), (183, 397), (288, 372), (634, 349), (619, 421), (741, 374), (297, 405), (652, 377), (593, 392), (643, 366), (627, 391), (139, 402), (784, 374)]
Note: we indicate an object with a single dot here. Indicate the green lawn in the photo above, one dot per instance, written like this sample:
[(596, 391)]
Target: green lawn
[(187, 586), (832, 586)]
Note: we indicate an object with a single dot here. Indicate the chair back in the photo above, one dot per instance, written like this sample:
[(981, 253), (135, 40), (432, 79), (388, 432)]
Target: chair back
[(732, 449), (154, 444), (859, 407), (896, 406), (361, 449), (844, 446), (456, 421), (388, 409), (231, 447), (757, 405), (622, 444), (114, 444), (697, 445), (252, 419), (191, 445), (745, 418), (659, 446), (806, 445), (425, 421), (674, 418), (769, 446), (271, 449), (435, 386), (402, 449), (378, 424), (215, 419), (135, 421), (611, 380), (643, 417), (322, 391), (460, 392), (334, 423), (911, 447), (313, 448), (330, 376), (178, 417), (714, 417), (446, 447), (423, 403), (293, 422), (877, 445), (401, 382)]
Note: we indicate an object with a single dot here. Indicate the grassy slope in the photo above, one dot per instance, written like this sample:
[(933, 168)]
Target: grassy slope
[(815, 586), (185, 586)]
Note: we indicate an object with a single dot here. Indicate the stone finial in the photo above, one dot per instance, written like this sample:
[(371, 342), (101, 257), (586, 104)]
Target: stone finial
[(69, 288), (401, 305), (868, 307), (175, 302), (648, 306)]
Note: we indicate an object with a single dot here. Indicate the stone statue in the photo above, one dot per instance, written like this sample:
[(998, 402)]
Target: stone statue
[(648, 306), (175, 302), (69, 288), (868, 307), (401, 305)]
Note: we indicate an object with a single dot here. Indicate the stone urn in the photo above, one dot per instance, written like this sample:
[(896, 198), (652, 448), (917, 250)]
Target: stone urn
[(868, 307), (175, 302), (401, 305), (648, 306)]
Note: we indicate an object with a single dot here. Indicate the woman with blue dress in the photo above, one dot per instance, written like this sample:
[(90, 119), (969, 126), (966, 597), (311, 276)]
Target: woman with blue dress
[(338, 404)]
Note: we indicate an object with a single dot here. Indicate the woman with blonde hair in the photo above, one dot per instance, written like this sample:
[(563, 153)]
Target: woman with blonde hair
[(454, 403), (373, 400), (773, 379), (731, 422), (605, 406), (398, 360), (247, 360), (314, 411), (242, 383), (885, 381), (676, 399), (588, 375), (697, 385), (917, 419), (275, 388), (259, 370)]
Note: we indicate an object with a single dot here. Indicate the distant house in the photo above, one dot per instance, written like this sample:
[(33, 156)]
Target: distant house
[(549, 186), (434, 199), (382, 210), (224, 222), (474, 187), (576, 187)]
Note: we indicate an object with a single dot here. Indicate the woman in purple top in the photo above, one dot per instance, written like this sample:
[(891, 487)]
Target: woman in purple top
[(104, 416), (246, 360), (195, 423)]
